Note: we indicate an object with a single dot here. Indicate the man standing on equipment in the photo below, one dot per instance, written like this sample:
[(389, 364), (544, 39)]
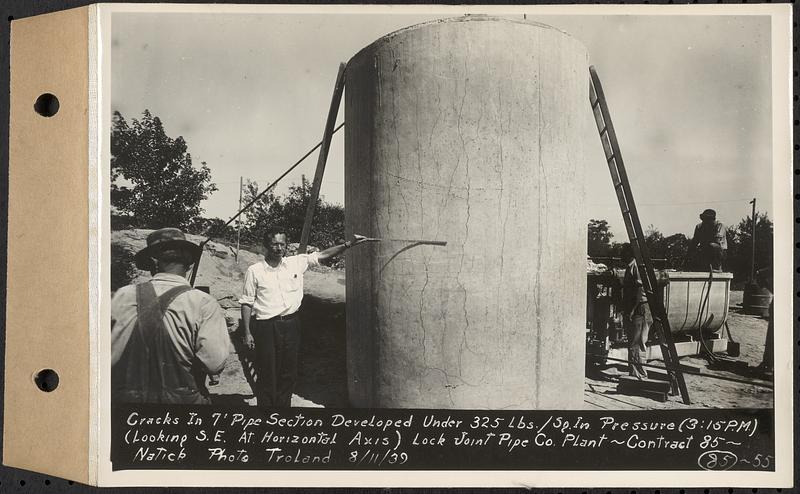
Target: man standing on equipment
[(709, 244), (165, 335), (272, 294), (635, 313)]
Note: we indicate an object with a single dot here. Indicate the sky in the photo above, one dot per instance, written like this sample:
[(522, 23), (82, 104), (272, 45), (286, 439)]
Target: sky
[(689, 97)]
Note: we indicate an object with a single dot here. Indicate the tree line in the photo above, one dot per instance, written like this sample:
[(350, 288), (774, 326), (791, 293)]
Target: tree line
[(673, 249), (155, 184)]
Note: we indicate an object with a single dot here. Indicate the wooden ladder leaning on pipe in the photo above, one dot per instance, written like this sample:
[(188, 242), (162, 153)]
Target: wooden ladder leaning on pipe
[(622, 188)]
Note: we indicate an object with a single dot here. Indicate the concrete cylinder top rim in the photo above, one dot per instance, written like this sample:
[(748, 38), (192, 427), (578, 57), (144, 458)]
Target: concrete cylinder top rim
[(464, 18)]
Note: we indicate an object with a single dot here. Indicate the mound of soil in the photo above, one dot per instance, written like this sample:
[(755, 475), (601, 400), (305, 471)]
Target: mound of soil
[(220, 269)]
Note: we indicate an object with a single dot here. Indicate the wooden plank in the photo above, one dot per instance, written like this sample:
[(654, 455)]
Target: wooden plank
[(643, 384), (616, 398), (655, 395), (593, 405), (323, 158)]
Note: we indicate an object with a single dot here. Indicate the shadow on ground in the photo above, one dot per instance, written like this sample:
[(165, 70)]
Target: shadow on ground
[(323, 364)]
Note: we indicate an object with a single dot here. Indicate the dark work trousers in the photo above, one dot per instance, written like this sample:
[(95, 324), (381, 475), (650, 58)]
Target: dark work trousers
[(277, 343), (709, 257)]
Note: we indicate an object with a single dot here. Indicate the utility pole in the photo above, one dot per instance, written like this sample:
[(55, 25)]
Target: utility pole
[(753, 241), (239, 219)]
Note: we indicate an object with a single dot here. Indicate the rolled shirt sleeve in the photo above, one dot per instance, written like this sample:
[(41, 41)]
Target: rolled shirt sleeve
[(695, 237), (637, 278), (721, 236), (310, 260), (213, 344), (249, 289)]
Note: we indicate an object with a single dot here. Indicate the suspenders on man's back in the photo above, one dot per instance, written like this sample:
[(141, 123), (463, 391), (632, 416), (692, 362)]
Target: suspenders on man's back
[(149, 370)]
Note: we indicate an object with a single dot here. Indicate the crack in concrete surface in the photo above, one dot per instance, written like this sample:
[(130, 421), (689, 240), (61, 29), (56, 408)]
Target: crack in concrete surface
[(466, 319), (537, 284), (466, 224)]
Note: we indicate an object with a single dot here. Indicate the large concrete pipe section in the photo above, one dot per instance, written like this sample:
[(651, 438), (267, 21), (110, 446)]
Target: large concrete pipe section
[(469, 131)]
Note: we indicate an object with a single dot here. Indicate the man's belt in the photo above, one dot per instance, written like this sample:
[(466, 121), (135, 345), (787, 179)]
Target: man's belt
[(283, 318)]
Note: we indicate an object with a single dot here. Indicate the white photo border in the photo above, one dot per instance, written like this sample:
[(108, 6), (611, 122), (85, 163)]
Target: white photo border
[(781, 32)]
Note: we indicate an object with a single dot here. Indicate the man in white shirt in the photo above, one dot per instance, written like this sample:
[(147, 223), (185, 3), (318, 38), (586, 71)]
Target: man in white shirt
[(272, 294)]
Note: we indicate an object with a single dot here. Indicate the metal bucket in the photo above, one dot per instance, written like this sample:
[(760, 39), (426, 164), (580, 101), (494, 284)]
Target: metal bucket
[(756, 300)]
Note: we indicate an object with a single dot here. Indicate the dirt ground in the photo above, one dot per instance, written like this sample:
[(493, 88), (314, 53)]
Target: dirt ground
[(323, 369), (323, 372)]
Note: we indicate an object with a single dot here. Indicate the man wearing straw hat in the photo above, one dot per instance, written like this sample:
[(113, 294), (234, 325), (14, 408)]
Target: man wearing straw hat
[(709, 244), (166, 336)]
